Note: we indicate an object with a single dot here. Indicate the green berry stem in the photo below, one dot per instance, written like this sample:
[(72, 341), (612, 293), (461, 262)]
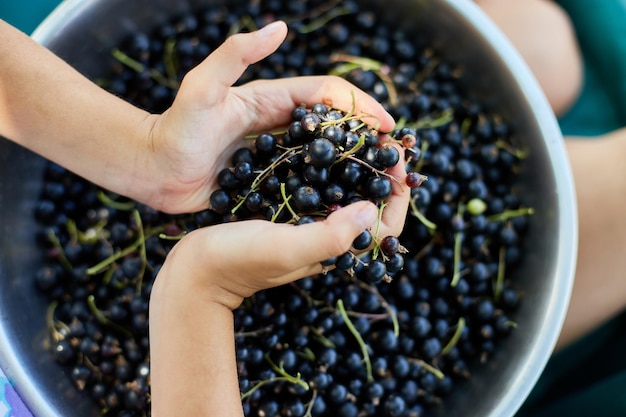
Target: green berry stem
[(391, 312), (499, 283), (245, 22), (428, 367), (141, 249), (458, 246), (364, 347), (428, 122), (108, 201), (365, 164), (366, 64), (289, 152), (455, 337), (284, 376), (103, 319), (322, 20), (352, 151), (100, 266), (173, 237), (509, 214), (518, 153), (169, 59), (139, 67), (309, 407), (54, 325), (420, 216), (255, 333), (53, 238), (321, 339), (286, 199), (281, 371)]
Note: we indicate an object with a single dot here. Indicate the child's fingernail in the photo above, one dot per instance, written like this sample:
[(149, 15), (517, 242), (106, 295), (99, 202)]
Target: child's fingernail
[(271, 28), (367, 216)]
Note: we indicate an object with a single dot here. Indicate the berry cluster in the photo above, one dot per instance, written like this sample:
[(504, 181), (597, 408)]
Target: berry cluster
[(323, 161), (333, 344)]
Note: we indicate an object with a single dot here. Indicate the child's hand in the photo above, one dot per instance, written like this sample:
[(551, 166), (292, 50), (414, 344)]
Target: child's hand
[(228, 262), (194, 139)]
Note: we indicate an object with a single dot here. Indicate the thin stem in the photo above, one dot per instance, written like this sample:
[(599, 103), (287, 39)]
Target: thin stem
[(455, 337), (99, 267), (139, 67), (359, 339), (118, 205), (499, 284), (53, 324), (99, 315), (284, 376), (518, 153), (141, 249), (509, 214), (458, 245), (169, 59), (430, 368), (56, 243), (286, 199), (384, 303), (420, 216), (324, 19)]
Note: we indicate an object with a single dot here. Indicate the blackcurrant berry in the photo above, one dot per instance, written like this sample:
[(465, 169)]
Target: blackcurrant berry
[(306, 199)]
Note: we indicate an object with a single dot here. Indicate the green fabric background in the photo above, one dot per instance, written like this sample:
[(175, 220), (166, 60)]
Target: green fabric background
[(588, 378)]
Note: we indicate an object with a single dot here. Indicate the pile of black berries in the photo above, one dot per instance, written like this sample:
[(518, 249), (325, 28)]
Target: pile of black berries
[(325, 160), (336, 344)]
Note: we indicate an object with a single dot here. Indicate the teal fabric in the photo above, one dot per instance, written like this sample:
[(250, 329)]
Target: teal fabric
[(589, 377), (26, 14)]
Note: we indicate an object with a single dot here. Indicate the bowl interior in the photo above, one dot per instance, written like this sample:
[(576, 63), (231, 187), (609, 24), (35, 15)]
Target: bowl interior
[(83, 32)]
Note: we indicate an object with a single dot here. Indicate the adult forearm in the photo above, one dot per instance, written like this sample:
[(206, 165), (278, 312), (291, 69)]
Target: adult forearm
[(48, 107), (600, 286)]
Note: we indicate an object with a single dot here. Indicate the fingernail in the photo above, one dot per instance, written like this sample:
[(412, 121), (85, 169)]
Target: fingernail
[(367, 216), (270, 29)]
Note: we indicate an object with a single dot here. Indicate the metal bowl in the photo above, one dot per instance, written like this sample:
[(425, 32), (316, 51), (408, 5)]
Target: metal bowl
[(83, 32)]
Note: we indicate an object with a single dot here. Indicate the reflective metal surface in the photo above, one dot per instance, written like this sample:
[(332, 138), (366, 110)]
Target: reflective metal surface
[(82, 32)]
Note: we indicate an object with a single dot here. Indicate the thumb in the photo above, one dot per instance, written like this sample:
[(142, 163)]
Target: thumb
[(223, 67), (334, 235)]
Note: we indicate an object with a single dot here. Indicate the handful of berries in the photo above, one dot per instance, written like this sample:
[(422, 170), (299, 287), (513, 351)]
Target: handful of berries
[(324, 160)]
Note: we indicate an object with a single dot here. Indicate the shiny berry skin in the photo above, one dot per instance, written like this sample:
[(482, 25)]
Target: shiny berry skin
[(375, 271), (220, 201), (414, 179), (387, 156), (265, 144), (306, 199), (310, 123), (363, 240), (321, 153), (378, 188)]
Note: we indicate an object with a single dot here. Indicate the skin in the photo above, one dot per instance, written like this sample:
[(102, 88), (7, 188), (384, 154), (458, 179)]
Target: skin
[(543, 35), (599, 291), (552, 53), (168, 161)]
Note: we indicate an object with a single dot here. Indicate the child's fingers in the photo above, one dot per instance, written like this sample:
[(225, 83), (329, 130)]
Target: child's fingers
[(394, 213), (278, 97), (212, 78)]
